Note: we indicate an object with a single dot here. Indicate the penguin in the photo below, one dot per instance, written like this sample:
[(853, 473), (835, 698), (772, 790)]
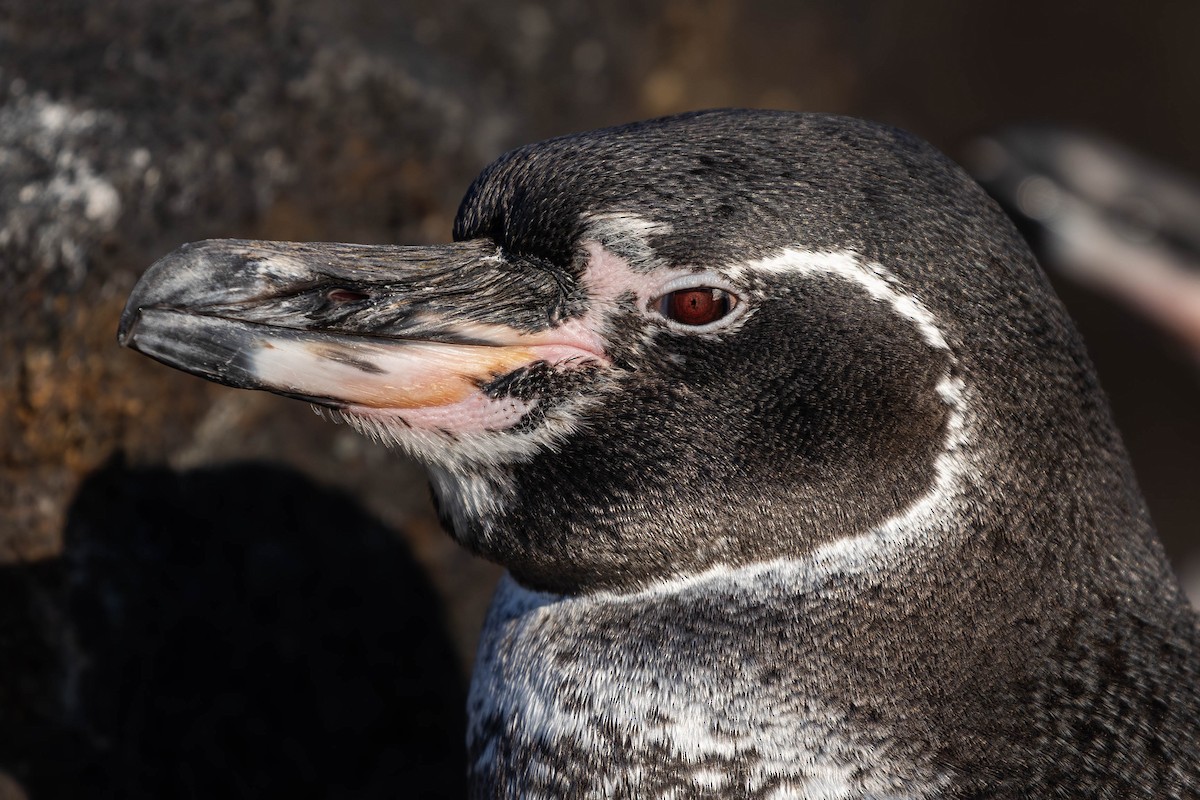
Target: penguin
[(803, 481)]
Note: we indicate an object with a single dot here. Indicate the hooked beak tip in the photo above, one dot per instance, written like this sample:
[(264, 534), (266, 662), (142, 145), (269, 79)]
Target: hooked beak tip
[(127, 326)]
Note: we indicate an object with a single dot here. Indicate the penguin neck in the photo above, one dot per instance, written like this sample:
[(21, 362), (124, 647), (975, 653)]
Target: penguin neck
[(675, 653), (851, 564), (756, 648)]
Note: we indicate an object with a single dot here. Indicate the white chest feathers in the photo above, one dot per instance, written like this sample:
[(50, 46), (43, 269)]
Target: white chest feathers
[(620, 697)]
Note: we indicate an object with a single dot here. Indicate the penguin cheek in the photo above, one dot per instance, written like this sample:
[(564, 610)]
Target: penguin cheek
[(849, 407), (545, 390)]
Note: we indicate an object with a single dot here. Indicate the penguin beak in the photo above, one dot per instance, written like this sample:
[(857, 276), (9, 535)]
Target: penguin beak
[(352, 326)]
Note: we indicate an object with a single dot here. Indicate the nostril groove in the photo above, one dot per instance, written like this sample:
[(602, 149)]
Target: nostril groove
[(345, 296)]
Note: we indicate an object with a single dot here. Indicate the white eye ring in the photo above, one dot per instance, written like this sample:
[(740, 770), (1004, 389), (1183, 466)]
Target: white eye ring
[(675, 302)]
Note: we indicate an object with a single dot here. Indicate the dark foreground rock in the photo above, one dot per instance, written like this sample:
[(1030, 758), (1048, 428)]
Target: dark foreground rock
[(240, 650)]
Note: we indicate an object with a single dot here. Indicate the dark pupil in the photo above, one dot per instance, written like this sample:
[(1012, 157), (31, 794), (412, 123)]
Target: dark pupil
[(697, 306)]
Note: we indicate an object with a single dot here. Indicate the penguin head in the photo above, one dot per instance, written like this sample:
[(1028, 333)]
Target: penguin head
[(682, 345)]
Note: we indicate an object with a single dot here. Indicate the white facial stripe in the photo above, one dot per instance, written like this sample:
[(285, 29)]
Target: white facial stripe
[(627, 235), (617, 242), (880, 284), (922, 524)]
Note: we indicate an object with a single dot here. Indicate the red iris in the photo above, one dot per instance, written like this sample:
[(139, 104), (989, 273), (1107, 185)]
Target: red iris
[(698, 306)]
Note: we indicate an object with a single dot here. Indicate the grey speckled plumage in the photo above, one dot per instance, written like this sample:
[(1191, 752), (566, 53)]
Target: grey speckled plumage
[(873, 534)]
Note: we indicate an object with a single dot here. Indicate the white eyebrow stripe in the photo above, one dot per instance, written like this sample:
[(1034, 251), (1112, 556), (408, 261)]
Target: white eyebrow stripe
[(846, 264), (625, 234)]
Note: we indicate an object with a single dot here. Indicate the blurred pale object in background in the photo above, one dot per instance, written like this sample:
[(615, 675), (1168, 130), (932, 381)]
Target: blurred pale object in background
[(1105, 216)]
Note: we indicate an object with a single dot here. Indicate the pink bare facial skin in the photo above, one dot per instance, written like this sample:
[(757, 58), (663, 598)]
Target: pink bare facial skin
[(577, 341), (440, 395)]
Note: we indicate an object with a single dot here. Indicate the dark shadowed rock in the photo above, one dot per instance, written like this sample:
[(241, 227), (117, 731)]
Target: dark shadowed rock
[(234, 632)]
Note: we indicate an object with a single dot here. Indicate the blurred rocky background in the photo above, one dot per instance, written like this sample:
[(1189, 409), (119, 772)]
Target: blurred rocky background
[(211, 593)]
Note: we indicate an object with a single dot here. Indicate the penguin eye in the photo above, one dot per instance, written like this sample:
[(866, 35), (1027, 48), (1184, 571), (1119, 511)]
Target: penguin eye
[(698, 305)]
